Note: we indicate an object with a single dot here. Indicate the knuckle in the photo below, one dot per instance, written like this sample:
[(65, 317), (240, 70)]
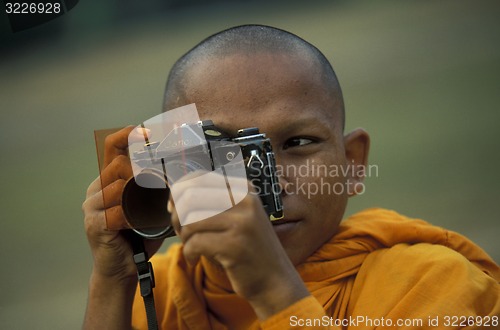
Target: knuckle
[(85, 206), (90, 204), (122, 159), (185, 233), (116, 219), (191, 247), (249, 201), (116, 187), (108, 139), (119, 167), (89, 191), (95, 185), (119, 161), (92, 223)]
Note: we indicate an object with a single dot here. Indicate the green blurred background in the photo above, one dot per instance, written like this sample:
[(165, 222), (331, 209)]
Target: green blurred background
[(423, 77)]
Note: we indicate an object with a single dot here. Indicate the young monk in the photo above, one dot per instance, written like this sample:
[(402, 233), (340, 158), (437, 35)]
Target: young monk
[(238, 270)]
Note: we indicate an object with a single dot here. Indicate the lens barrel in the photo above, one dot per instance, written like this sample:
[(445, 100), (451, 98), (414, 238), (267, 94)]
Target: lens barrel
[(144, 203)]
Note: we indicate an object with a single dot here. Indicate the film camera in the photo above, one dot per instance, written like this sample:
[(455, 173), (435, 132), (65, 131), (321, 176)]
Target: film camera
[(189, 148)]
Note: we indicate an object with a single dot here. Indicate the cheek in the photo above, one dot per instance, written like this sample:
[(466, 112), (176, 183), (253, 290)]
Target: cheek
[(320, 189), (319, 179)]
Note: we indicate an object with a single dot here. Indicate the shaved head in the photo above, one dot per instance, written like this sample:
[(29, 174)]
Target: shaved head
[(249, 40)]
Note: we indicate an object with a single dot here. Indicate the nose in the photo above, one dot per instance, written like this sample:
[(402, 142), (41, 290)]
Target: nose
[(283, 183)]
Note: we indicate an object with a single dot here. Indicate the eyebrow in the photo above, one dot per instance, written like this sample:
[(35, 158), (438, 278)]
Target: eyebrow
[(287, 125), (297, 124)]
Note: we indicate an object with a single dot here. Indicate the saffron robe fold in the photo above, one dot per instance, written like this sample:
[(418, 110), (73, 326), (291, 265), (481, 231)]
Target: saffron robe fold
[(380, 266)]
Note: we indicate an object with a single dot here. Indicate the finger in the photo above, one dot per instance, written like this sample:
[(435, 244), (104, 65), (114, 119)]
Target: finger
[(94, 187), (112, 218), (202, 198), (106, 198), (200, 220), (93, 203), (119, 168), (206, 221), (210, 179), (116, 144), (206, 192), (203, 216), (139, 134), (174, 218), (95, 223), (208, 245), (112, 193), (115, 219)]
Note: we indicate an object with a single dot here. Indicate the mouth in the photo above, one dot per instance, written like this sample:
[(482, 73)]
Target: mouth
[(285, 226), (283, 221)]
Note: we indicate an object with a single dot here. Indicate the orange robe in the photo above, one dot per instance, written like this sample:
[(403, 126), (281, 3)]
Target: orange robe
[(381, 270)]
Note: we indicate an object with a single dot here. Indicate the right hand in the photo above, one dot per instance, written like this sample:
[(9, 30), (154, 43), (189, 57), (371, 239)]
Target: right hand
[(111, 251)]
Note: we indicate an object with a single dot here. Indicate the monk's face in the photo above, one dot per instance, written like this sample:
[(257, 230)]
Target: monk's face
[(286, 98)]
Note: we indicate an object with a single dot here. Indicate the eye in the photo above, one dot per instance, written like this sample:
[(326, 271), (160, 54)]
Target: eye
[(297, 142)]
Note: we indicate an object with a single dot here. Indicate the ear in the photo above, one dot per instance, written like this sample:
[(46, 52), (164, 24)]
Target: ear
[(357, 146)]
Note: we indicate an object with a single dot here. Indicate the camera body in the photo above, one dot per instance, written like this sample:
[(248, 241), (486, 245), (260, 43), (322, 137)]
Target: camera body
[(196, 147)]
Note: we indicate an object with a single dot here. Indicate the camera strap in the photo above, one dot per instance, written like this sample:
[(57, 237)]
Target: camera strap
[(145, 277)]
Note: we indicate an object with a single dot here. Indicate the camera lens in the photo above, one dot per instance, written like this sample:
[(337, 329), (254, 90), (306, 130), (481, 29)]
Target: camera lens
[(145, 205)]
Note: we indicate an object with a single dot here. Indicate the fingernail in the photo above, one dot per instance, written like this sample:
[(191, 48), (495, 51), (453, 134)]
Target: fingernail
[(170, 207), (139, 134), (142, 131)]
